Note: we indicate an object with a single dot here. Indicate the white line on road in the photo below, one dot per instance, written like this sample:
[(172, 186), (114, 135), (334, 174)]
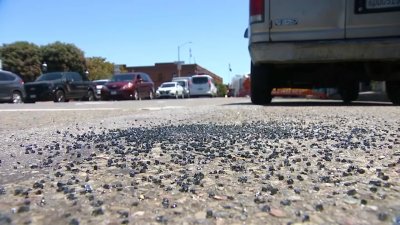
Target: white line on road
[(161, 108), (54, 110)]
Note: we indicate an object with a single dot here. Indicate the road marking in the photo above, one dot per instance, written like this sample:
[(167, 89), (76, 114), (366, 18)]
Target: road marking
[(162, 108), (54, 110)]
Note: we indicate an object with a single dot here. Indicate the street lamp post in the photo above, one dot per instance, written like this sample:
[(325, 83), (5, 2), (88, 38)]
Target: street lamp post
[(179, 65)]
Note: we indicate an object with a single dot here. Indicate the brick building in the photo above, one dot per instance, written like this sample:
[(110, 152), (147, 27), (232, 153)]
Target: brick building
[(163, 72)]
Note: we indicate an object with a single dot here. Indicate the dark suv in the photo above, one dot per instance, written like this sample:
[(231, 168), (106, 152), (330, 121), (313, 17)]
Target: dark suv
[(60, 87), (11, 87), (128, 86)]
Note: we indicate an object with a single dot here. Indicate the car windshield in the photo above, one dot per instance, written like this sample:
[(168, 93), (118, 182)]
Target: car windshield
[(200, 80), (49, 76), (182, 83), (100, 82), (123, 77), (168, 85)]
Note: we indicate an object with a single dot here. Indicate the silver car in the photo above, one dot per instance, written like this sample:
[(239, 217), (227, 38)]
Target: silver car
[(170, 90), (99, 85), (323, 43), (11, 87)]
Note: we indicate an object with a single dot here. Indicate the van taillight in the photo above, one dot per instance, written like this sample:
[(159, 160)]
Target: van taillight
[(257, 10)]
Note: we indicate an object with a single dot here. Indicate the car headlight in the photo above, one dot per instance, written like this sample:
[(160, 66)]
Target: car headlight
[(127, 86)]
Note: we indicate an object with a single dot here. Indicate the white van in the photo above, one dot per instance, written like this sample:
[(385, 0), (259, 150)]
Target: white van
[(324, 44), (185, 83), (203, 85)]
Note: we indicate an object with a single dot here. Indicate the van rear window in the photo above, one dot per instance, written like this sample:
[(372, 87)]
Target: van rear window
[(199, 80)]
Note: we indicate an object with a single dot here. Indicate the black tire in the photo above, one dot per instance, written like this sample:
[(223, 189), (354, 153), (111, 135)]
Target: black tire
[(90, 96), (135, 95), (393, 91), (59, 96), (29, 101), (261, 84), (16, 97), (151, 95), (349, 91)]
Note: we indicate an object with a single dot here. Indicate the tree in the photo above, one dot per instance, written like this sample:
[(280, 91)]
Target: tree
[(222, 89), (63, 57), (22, 58), (99, 68)]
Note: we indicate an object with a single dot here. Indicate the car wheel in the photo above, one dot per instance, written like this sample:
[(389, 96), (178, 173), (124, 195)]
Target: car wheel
[(349, 91), (135, 95), (151, 95), (90, 96), (261, 84), (393, 91), (16, 97), (59, 96)]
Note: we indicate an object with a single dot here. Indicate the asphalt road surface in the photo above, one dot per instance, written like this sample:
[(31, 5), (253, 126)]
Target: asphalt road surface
[(200, 161)]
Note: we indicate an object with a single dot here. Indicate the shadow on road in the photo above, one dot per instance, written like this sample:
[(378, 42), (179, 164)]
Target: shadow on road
[(365, 99), (320, 103)]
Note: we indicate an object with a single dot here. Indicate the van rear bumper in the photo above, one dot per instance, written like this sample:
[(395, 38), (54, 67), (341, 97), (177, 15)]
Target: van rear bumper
[(326, 51)]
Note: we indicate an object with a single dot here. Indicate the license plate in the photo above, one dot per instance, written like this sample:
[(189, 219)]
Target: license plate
[(382, 4), (32, 96), (113, 93)]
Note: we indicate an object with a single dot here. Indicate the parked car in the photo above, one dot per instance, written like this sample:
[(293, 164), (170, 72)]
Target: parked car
[(170, 90), (11, 87), (60, 87), (185, 84), (128, 86), (99, 85), (203, 85)]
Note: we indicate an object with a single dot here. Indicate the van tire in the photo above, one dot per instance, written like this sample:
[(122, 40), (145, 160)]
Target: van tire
[(349, 91), (261, 84), (393, 91)]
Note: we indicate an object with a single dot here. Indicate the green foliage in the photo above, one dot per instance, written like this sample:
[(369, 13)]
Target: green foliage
[(22, 58), (99, 68), (63, 57), (222, 89)]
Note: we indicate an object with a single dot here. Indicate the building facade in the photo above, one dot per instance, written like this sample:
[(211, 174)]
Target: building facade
[(164, 72)]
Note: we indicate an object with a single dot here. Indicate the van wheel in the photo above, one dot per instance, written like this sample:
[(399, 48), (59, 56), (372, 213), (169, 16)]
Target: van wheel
[(393, 91), (261, 84), (349, 91), (59, 96), (16, 97)]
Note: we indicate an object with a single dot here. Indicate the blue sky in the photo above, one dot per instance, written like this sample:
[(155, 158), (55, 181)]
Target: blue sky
[(136, 32)]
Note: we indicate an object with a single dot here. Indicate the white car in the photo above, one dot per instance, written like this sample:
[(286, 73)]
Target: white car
[(203, 85), (170, 90)]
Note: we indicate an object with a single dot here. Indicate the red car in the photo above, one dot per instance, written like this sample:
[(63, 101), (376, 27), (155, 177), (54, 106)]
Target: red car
[(128, 86)]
